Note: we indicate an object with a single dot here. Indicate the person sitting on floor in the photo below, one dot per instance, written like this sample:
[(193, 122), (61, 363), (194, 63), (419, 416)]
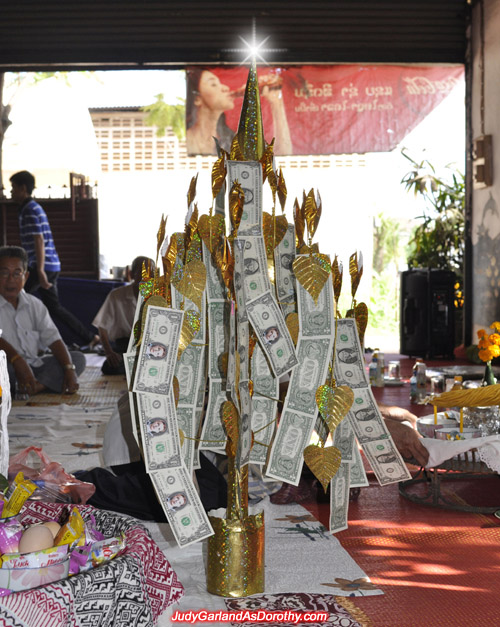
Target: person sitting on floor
[(116, 317), (28, 330)]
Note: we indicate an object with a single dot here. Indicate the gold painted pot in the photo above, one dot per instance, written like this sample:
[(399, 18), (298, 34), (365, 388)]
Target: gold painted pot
[(236, 556)]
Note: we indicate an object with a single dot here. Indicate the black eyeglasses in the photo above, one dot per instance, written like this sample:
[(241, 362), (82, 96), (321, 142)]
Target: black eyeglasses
[(16, 274)]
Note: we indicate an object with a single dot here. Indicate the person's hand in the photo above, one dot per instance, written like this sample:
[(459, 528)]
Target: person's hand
[(271, 87), (114, 359), (70, 382), (407, 441), (398, 413), (44, 282), (24, 375)]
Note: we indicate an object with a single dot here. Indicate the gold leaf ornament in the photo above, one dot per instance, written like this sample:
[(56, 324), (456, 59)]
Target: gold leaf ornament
[(356, 271), (176, 389), (292, 323), (311, 272), (230, 420), (218, 175), (274, 232), (160, 236), (323, 462), (334, 403), (181, 437), (192, 190), (312, 212), (282, 191), (300, 224), (236, 202), (190, 327), (211, 230), (193, 282), (361, 316), (337, 274)]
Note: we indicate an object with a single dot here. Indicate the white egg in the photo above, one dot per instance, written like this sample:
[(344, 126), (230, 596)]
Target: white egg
[(53, 526), (36, 538)]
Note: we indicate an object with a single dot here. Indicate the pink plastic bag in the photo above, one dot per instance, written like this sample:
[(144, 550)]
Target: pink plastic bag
[(55, 484)]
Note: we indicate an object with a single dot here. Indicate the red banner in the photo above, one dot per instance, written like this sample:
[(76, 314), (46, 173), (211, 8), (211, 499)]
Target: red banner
[(317, 109)]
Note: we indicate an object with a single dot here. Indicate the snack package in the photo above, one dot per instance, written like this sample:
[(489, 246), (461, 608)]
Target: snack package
[(92, 555), (18, 492), (11, 531), (37, 559), (72, 532)]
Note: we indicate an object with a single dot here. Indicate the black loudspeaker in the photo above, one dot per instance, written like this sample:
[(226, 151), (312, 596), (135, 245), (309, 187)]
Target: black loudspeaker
[(427, 321)]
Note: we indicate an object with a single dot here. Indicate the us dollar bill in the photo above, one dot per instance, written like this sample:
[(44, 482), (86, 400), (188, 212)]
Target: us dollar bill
[(263, 426), (386, 462), (339, 498), (245, 432), (343, 439), (186, 420), (159, 431), (349, 361), (254, 276), (358, 474), (216, 291), (293, 435), (313, 358), (243, 339), (286, 284), (187, 371), (249, 175), (182, 505), (213, 436), (158, 354), (231, 358), (365, 418), (218, 332), (238, 280), (316, 319), (272, 333), (264, 382), (129, 363)]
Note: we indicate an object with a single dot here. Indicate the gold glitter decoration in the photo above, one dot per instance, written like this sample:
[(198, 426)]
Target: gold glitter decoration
[(300, 224), (250, 130), (194, 250), (305, 249), (230, 420), (311, 275), (236, 202), (225, 263), (160, 236), (273, 232), (211, 230), (218, 175), (236, 556), (271, 175), (356, 272), (312, 212), (292, 323), (266, 157), (193, 281), (170, 257), (181, 437), (146, 287), (181, 248), (190, 327), (252, 341), (323, 462), (192, 190), (282, 191), (334, 403), (337, 274)]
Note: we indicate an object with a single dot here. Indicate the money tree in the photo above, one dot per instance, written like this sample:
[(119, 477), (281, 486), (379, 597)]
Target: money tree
[(244, 299)]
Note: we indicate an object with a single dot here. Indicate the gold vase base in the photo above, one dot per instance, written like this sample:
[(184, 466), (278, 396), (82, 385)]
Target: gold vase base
[(235, 565)]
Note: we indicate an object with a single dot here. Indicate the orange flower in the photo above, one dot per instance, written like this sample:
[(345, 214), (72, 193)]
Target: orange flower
[(489, 345), (496, 326), (481, 333), (495, 338)]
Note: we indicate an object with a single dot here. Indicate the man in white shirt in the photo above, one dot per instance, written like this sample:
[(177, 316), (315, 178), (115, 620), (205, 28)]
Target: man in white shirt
[(116, 317), (28, 330)]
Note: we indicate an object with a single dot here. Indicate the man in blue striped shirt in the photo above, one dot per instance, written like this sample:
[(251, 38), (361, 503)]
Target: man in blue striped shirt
[(43, 260)]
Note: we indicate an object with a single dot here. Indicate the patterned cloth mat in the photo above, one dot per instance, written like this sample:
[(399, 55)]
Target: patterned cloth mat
[(70, 429)]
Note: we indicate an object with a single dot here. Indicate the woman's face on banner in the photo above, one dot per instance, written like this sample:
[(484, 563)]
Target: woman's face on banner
[(213, 94)]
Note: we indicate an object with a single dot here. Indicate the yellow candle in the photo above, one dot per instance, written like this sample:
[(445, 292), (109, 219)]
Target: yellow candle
[(435, 415), (461, 419)]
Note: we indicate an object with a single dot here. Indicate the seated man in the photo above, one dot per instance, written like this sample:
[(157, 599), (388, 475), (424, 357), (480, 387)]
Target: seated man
[(116, 317), (27, 329)]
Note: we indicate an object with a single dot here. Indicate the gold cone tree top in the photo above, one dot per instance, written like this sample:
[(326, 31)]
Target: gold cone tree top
[(250, 130)]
